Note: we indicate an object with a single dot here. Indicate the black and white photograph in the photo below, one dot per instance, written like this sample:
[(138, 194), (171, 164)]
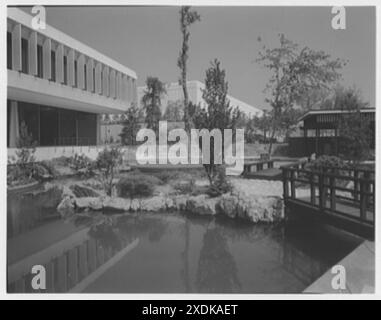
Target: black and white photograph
[(189, 149)]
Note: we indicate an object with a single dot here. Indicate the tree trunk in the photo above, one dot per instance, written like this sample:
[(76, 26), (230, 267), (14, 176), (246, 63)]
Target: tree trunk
[(271, 142)]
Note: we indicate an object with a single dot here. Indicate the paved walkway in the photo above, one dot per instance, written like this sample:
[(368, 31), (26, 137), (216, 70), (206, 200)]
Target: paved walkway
[(360, 273)]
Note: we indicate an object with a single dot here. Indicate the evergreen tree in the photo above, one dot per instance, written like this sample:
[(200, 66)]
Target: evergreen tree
[(152, 102)]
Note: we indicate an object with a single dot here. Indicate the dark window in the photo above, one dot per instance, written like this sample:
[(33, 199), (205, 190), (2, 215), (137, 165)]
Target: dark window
[(49, 126), (40, 65), (75, 74), (29, 116), (53, 64), (24, 56), (93, 79), (9, 50), (87, 128), (65, 69)]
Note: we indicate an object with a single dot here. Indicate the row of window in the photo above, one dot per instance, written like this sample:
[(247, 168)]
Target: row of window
[(25, 64), (51, 126), (323, 132)]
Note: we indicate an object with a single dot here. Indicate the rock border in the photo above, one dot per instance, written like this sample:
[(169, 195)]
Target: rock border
[(235, 205)]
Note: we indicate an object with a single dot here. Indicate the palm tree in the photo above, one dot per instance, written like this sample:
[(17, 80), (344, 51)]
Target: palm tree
[(152, 102)]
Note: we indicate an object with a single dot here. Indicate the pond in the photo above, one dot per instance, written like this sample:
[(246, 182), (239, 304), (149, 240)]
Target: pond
[(164, 252)]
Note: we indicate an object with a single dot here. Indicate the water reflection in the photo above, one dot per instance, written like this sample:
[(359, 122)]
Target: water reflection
[(171, 253), (217, 270), (30, 209)]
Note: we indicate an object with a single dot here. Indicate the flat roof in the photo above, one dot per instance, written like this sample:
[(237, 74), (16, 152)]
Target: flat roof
[(332, 111), (53, 33)]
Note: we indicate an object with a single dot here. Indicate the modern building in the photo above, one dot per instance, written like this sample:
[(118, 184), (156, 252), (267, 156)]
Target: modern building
[(175, 93), (319, 132), (58, 87)]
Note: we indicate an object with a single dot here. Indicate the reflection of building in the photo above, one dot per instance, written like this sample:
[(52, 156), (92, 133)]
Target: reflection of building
[(320, 134), (58, 87), (175, 93)]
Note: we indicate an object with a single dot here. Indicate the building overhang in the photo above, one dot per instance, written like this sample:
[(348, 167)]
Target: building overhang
[(312, 113), (27, 88), (50, 32)]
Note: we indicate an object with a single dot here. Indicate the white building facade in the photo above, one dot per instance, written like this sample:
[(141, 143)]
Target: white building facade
[(175, 93), (58, 87)]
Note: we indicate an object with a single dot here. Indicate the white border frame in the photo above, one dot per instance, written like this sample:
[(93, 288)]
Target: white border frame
[(3, 94)]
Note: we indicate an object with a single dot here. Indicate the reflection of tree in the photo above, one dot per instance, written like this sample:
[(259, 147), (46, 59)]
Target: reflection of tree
[(217, 271), (113, 231), (185, 257)]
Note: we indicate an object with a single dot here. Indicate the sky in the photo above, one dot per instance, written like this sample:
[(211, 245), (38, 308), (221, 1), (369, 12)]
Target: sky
[(148, 40)]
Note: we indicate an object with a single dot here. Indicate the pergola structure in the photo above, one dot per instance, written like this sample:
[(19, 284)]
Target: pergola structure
[(320, 132)]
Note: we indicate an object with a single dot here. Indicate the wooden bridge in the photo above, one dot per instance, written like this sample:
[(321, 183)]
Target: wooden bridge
[(344, 198), (261, 169)]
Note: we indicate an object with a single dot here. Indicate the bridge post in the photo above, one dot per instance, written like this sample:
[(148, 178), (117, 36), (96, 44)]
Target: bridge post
[(363, 201), (285, 183), (332, 192), (356, 185), (364, 197), (312, 188), (322, 193), (292, 183)]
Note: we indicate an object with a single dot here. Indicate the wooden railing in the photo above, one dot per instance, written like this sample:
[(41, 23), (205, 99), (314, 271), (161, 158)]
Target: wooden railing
[(333, 189)]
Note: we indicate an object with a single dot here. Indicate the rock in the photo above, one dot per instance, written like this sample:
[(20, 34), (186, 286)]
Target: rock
[(82, 191), (202, 205), (250, 187), (67, 192), (92, 203), (228, 205), (156, 203), (66, 207), (180, 202), (170, 204), (254, 208), (135, 205), (116, 204), (265, 209)]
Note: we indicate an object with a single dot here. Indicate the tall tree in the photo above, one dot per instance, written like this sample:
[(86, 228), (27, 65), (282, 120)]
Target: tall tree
[(218, 113), (345, 99), (187, 18), (152, 101), (174, 111), (294, 72), (261, 123), (354, 127)]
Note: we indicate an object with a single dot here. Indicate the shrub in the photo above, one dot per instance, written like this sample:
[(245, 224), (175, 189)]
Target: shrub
[(186, 188), (107, 162), (82, 164), (327, 161), (166, 176), (220, 184), (137, 186), (21, 167), (17, 175)]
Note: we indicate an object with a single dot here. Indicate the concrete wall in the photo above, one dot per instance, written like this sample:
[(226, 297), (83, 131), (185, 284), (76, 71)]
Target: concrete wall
[(49, 153)]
